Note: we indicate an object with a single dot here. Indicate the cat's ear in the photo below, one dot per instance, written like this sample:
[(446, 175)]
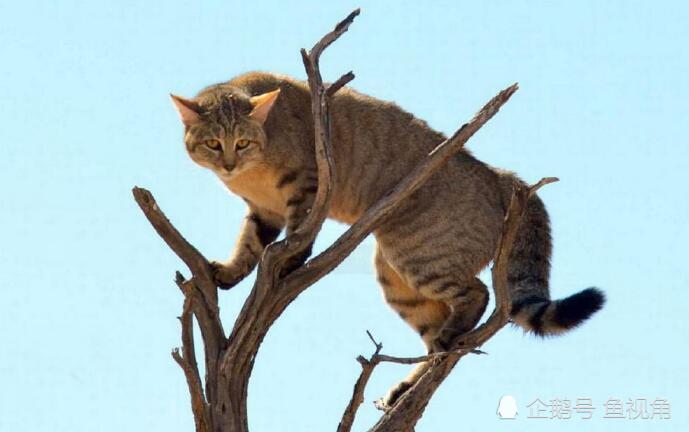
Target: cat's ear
[(188, 110), (262, 104)]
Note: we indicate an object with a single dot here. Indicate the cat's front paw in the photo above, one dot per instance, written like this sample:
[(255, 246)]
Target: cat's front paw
[(224, 275)]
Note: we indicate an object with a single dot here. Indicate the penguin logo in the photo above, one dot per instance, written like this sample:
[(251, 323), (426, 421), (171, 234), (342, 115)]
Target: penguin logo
[(507, 408)]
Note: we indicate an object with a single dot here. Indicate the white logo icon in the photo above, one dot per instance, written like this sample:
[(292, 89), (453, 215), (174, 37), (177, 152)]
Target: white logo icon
[(507, 408)]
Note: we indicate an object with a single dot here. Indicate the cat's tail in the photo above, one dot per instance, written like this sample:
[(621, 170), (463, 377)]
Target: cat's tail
[(528, 273)]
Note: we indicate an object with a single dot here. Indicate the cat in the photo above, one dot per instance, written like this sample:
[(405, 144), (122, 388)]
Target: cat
[(255, 133)]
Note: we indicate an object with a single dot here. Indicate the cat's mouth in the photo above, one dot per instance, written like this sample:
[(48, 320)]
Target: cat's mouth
[(227, 175), (228, 172)]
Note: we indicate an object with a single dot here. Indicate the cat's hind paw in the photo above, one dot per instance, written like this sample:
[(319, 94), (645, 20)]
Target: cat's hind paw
[(443, 342), (393, 395)]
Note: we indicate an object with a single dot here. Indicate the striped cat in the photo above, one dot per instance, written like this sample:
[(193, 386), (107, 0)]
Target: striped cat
[(256, 133)]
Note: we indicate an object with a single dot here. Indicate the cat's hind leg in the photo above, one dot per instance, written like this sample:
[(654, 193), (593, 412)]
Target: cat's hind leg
[(468, 302), (424, 315), (447, 274)]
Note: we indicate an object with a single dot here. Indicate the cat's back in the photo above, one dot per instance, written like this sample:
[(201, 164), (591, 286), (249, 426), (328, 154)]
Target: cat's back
[(376, 143), (352, 112)]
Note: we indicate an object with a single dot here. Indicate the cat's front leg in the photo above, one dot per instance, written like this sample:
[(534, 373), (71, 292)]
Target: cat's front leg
[(260, 228), (301, 196)]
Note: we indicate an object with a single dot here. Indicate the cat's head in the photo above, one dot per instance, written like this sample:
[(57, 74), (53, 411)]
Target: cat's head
[(225, 133)]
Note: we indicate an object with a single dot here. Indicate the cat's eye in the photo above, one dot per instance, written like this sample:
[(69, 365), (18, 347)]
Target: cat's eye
[(212, 144), (241, 144)]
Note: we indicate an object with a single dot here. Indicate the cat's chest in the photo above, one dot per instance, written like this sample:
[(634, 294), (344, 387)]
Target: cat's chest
[(258, 185)]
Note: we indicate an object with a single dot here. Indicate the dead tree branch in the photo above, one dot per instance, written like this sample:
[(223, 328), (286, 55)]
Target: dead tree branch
[(367, 366), (199, 406), (219, 404)]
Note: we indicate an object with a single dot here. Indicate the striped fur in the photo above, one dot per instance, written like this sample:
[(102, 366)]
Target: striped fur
[(429, 250)]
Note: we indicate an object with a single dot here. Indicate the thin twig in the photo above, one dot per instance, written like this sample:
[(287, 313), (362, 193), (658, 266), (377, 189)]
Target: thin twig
[(379, 346), (542, 182), (424, 358), (329, 38), (341, 82), (191, 371), (357, 398)]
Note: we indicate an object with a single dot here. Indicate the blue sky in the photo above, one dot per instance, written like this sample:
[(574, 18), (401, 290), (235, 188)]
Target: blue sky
[(88, 298)]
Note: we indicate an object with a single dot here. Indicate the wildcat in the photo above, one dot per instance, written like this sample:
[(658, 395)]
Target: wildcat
[(255, 133)]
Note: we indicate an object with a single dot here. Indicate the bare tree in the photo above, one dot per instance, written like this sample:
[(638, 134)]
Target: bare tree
[(219, 402)]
